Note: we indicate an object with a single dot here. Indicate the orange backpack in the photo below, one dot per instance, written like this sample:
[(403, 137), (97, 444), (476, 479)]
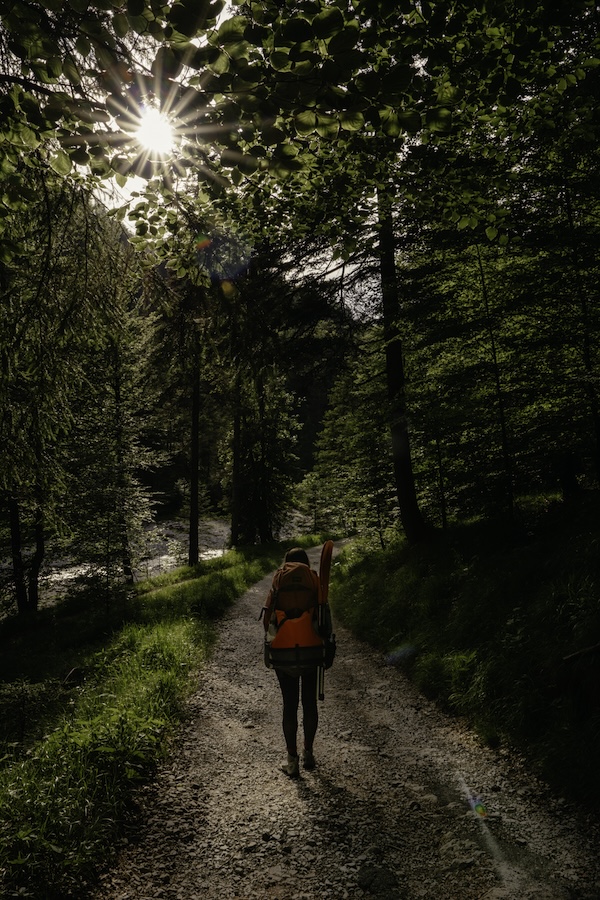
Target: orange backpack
[(293, 640)]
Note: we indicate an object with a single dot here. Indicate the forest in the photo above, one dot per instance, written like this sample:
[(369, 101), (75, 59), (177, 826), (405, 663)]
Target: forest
[(356, 289)]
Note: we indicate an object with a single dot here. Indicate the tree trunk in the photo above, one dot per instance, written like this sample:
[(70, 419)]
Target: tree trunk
[(441, 487), (508, 466), (236, 470), (121, 479), (17, 557), (413, 523), (588, 364), (38, 554), (264, 505), (194, 544)]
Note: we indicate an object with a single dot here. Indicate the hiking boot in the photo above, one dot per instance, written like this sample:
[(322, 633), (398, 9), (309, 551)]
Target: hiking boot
[(308, 760), (292, 767)]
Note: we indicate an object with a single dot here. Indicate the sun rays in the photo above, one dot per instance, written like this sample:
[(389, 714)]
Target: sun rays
[(157, 126), (155, 132)]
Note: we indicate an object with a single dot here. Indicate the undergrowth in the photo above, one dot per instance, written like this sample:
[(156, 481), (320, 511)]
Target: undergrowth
[(499, 625), (90, 694)]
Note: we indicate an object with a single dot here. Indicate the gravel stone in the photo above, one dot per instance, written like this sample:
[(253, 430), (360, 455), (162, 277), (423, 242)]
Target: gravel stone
[(388, 813)]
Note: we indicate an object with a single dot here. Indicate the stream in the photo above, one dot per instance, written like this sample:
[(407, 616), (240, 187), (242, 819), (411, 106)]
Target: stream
[(167, 546)]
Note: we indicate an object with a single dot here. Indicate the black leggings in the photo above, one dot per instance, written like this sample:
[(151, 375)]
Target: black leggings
[(290, 689)]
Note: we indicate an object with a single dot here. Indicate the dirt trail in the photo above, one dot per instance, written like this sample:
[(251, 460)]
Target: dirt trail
[(388, 813)]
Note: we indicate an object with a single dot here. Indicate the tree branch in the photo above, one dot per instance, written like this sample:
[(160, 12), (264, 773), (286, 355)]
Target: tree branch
[(26, 83)]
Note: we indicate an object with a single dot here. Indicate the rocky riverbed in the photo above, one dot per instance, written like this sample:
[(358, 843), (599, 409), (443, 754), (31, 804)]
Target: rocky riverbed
[(167, 547)]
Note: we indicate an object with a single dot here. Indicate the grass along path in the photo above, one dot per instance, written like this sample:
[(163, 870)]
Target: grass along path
[(405, 803), (116, 678)]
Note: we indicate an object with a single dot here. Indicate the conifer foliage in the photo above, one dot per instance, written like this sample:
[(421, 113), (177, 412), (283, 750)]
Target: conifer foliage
[(423, 172)]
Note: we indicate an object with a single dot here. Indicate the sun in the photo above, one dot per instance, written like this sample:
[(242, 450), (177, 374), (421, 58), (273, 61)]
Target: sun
[(155, 132)]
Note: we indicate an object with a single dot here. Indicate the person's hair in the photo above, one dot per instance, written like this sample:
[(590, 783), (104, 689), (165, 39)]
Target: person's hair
[(296, 554)]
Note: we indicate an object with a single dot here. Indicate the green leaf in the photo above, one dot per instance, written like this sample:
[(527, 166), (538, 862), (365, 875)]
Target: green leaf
[(136, 7), (280, 60), (257, 35), (282, 168), (305, 121), (328, 23), (71, 71), (29, 137), (491, 233), (344, 40), (348, 62), (41, 73), (247, 164), (61, 163), (232, 30), (83, 46), (121, 24), (80, 156), (120, 164), (410, 120), (230, 158), (7, 166), (219, 64), (156, 30), (295, 31), (390, 122), (287, 151), (54, 65), (448, 94), (166, 63), (185, 18), (439, 119), (249, 102), (272, 135), (139, 24), (368, 84), (215, 9), (106, 58), (352, 121), (305, 66), (8, 251), (327, 127)]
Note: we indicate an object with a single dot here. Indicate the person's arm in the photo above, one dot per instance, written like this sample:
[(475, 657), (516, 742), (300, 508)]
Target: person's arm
[(267, 610)]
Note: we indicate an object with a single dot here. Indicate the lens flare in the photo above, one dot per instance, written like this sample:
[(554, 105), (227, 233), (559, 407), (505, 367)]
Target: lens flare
[(203, 241), (401, 656), (478, 806), (229, 289)]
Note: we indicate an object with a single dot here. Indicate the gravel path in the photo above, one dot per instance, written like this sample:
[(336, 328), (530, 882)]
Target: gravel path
[(388, 813)]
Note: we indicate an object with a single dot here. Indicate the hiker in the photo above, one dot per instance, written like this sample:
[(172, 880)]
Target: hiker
[(291, 619)]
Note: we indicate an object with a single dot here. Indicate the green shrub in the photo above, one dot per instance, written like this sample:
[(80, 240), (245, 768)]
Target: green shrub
[(483, 619), (432, 677), (60, 806), (128, 664)]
